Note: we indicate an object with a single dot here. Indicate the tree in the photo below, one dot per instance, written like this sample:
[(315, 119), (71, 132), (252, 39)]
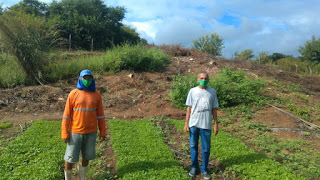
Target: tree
[(128, 35), (246, 54), (264, 58), (275, 56), (311, 50), (1, 9), (87, 20), (27, 37), (33, 7), (211, 44)]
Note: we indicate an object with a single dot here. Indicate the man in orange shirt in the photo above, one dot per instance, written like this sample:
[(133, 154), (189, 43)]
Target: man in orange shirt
[(82, 116)]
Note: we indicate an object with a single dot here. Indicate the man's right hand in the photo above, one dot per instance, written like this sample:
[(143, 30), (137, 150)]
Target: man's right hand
[(65, 140), (186, 128)]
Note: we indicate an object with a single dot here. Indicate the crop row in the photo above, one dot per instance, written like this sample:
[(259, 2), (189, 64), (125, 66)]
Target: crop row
[(241, 160), (36, 154), (141, 152)]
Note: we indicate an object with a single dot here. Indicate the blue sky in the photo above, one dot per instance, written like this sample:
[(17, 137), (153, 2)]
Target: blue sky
[(262, 25)]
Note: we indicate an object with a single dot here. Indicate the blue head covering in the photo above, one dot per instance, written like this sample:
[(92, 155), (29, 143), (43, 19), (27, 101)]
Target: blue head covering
[(80, 85)]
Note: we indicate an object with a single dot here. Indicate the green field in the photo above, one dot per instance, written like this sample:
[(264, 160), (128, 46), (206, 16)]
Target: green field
[(140, 151)]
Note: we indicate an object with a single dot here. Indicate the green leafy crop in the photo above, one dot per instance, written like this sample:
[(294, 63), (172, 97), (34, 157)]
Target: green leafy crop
[(36, 154), (141, 152)]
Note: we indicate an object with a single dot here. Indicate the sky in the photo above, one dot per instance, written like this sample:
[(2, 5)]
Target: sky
[(271, 26)]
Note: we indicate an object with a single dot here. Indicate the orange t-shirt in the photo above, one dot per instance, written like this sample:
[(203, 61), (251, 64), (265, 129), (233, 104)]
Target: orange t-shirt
[(83, 114)]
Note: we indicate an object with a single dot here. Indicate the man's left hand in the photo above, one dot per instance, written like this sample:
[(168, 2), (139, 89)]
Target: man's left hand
[(215, 129)]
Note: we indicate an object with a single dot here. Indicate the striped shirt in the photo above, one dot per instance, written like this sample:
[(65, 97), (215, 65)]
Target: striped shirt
[(83, 114)]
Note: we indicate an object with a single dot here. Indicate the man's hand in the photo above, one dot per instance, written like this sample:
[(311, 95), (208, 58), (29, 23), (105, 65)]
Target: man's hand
[(66, 140), (215, 129), (102, 138), (186, 128)]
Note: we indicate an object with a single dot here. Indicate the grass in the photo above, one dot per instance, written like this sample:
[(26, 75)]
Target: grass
[(126, 57), (10, 72), (62, 65), (36, 154), (141, 152)]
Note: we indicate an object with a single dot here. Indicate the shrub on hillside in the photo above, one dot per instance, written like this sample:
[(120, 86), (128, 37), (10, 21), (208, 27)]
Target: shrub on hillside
[(246, 54), (125, 57), (298, 66), (232, 88), (180, 88), (139, 58), (211, 44)]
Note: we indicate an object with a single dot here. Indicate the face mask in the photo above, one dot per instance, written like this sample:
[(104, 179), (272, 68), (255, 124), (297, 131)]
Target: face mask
[(86, 82), (203, 83)]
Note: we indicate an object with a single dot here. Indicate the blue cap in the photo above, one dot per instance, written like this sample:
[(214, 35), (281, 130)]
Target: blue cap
[(80, 85)]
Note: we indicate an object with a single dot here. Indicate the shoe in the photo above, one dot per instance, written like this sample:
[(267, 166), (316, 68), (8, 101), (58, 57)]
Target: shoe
[(192, 173), (206, 175)]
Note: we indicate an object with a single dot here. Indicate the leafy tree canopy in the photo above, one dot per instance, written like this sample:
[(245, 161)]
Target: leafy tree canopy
[(88, 22), (276, 56), (264, 58), (211, 44), (246, 54), (33, 7), (1, 9), (311, 50)]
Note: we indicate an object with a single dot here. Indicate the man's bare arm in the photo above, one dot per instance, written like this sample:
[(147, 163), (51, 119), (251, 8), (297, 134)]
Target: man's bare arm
[(215, 118), (186, 125)]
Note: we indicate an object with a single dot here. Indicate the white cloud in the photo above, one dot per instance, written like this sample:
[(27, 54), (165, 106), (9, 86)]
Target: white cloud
[(148, 27), (262, 25)]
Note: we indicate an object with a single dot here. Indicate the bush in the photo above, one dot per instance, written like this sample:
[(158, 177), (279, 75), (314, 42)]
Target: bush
[(246, 54), (10, 72), (298, 66), (180, 88), (211, 44), (232, 88), (139, 58), (125, 57)]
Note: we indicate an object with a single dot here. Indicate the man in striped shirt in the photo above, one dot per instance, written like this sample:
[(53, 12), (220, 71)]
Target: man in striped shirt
[(82, 116)]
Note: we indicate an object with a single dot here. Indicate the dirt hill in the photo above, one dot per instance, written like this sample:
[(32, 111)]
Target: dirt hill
[(134, 95), (130, 95)]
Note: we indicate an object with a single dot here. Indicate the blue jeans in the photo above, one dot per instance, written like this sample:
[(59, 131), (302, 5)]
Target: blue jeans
[(205, 135)]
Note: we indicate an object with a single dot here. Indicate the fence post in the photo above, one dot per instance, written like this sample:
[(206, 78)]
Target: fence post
[(91, 44), (69, 42)]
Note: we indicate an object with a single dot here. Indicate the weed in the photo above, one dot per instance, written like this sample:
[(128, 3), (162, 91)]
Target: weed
[(5, 125)]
